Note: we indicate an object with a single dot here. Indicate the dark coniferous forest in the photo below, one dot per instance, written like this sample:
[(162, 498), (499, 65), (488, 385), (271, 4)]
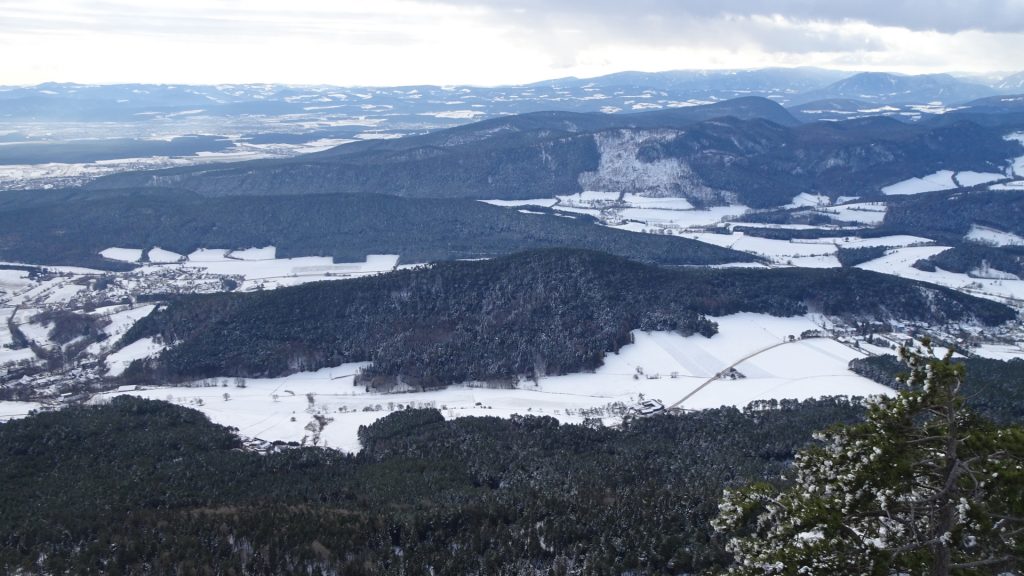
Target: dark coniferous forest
[(71, 228), (530, 314), (145, 487)]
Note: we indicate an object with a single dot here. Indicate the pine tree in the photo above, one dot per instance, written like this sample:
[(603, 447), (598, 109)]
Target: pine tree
[(922, 486)]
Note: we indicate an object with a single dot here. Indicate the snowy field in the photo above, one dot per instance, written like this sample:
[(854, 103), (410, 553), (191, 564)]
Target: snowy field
[(815, 253), (805, 200), (639, 211), (1015, 186), (122, 254), (1016, 168), (869, 213), (662, 203), (546, 202), (999, 351), (12, 281), (160, 256), (10, 410), (969, 178), (56, 174), (948, 180), (258, 266), (659, 365), (265, 253), (119, 361), (682, 218), (8, 354), (992, 236), (899, 262), (941, 180)]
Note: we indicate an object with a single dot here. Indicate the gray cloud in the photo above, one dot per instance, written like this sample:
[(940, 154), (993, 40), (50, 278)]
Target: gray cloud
[(219, 21), (947, 16), (491, 41)]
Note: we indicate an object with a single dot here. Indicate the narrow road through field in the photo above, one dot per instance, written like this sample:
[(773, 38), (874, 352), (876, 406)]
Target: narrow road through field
[(725, 370)]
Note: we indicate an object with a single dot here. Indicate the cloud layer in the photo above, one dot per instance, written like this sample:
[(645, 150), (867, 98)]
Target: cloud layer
[(491, 41), (947, 16)]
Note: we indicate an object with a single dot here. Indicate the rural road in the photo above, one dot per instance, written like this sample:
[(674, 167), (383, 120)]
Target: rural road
[(725, 370)]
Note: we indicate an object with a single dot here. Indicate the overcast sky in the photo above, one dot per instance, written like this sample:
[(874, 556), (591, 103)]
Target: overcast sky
[(487, 42)]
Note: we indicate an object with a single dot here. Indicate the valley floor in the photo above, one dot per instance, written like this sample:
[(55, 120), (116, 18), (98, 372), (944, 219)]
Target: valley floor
[(661, 366), (753, 357)]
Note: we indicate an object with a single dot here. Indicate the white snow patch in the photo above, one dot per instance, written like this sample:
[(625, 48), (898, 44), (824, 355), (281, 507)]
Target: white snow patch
[(456, 114), (804, 200), (279, 272), (899, 262), (265, 253), (208, 255), (589, 199), (14, 280), (647, 218), (992, 236), (999, 351), (160, 256), (813, 253), (9, 355), (63, 292), (10, 410), (1017, 165), (39, 333), (941, 180), (546, 202), (636, 201), (143, 348), (122, 254), (121, 319), (870, 213), (969, 178), (1015, 186), (378, 136), (988, 272)]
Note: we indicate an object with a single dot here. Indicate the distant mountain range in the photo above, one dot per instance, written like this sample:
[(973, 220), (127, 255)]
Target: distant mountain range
[(620, 92), (145, 126), (883, 88), (749, 150)]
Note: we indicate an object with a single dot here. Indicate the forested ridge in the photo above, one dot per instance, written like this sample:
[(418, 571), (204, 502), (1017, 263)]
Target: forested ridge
[(529, 314), (974, 259), (748, 147), (948, 216), (538, 154), (145, 487), (71, 228), (767, 164)]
